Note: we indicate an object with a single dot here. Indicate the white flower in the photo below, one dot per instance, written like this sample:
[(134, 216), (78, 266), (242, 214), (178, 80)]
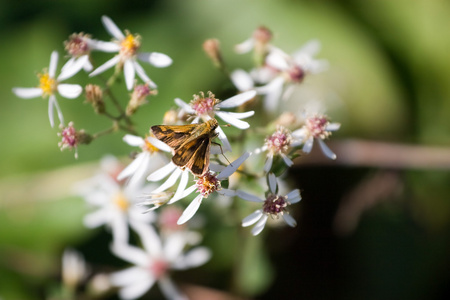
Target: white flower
[(152, 263), (79, 47), (127, 46), (115, 205), (274, 205), (74, 269), (48, 86), (317, 127), (145, 162), (208, 184), (293, 68), (259, 41), (208, 107)]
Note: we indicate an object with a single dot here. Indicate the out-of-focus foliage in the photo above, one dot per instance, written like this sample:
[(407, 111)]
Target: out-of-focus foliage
[(388, 80)]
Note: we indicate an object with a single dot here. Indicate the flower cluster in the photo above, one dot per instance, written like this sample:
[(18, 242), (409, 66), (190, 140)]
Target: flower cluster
[(181, 157)]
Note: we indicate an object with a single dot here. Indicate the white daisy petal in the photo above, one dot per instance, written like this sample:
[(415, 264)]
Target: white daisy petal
[(327, 151), (158, 144), (197, 257), (127, 276), (287, 160), (268, 163), (252, 218), (277, 59), (133, 140), (107, 65), (190, 211), (141, 73), (95, 219), (72, 67), (232, 167), (129, 73), (105, 46), (231, 120), (170, 181), (69, 91), (223, 138), (311, 48), (51, 104), (227, 192), (184, 105), (242, 80), (245, 47), (289, 220), (27, 93), (294, 196), (237, 100), (308, 145), (181, 185), (136, 289), (132, 167), (241, 115), (58, 110), (156, 59), (185, 193), (260, 225), (149, 238), (112, 28), (162, 172), (333, 127), (248, 197), (53, 64), (169, 290), (272, 183)]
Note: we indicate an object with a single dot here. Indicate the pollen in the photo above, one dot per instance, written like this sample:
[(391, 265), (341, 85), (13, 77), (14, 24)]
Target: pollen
[(47, 84), (279, 141), (275, 205), (130, 45), (317, 125), (149, 147), (121, 201), (204, 105), (207, 184)]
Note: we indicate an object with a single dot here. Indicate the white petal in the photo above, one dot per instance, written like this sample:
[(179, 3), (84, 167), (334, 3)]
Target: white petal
[(197, 257), (260, 225), (181, 185), (232, 167), (241, 115), (311, 48), (216, 168), (95, 219), (185, 193), (27, 93), (237, 100), (231, 120), (131, 254), (51, 104), (156, 59), (273, 94), (268, 163), (105, 46), (169, 289), (242, 80), (129, 73), (272, 183), (327, 151), (248, 197), (127, 276), (227, 192), (190, 211), (252, 218), (53, 64), (170, 181), (245, 47), (289, 220), (69, 91), (107, 65), (333, 127), (162, 172), (223, 138), (277, 59), (141, 73), (183, 105), (287, 160), (132, 167), (294, 196), (72, 67), (133, 140), (136, 289), (149, 238), (58, 110), (112, 28), (158, 144), (308, 145), (119, 228)]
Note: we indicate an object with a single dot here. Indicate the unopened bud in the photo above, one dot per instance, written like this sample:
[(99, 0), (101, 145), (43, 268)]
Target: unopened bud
[(94, 96), (212, 49), (139, 97)]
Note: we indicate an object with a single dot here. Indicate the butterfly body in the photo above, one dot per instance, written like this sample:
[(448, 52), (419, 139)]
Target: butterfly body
[(191, 144)]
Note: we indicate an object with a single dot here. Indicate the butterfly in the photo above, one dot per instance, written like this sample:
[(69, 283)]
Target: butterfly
[(190, 143)]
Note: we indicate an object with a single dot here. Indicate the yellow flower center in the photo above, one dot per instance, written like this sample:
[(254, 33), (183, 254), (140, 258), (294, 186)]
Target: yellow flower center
[(149, 147), (47, 84), (129, 45), (121, 201)]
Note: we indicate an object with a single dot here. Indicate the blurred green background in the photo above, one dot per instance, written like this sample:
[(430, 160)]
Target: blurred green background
[(389, 80)]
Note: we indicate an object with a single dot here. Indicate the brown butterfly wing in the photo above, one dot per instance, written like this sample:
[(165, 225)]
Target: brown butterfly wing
[(194, 155), (173, 135)]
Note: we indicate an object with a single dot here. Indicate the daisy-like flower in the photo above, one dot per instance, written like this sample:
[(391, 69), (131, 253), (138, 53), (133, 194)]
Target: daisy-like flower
[(153, 263), (146, 161), (48, 86), (207, 185), (259, 41), (79, 47), (207, 107), (115, 205), (279, 143), (317, 127), (293, 68), (128, 45), (273, 205)]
